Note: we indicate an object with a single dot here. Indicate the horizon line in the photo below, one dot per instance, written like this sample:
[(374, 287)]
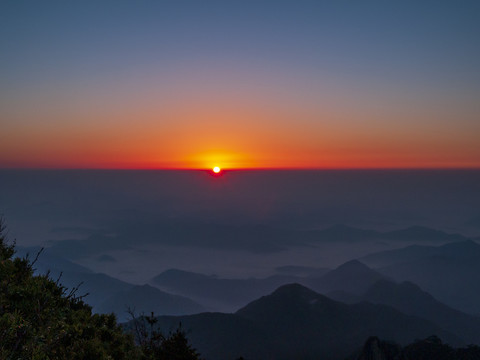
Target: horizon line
[(452, 168)]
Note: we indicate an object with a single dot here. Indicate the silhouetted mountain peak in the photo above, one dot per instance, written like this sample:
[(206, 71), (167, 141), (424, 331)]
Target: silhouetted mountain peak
[(303, 271), (353, 265), (353, 277), (291, 299), (295, 293), (300, 315), (353, 268), (295, 290)]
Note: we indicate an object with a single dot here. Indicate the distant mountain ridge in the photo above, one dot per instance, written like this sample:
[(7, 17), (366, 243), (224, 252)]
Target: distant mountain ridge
[(302, 271), (462, 249), (219, 293), (296, 322), (107, 294), (414, 233), (258, 239), (229, 294), (450, 272), (412, 300), (144, 299), (352, 277)]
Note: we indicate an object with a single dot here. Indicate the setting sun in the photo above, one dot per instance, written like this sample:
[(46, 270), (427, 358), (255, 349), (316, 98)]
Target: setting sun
[(216, 169)]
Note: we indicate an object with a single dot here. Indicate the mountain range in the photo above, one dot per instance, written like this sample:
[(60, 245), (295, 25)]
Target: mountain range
[(413, 234), (410, 299), (107, 294), (229, 294), (147, 299), (218, 293), (352, 277), (296, 322), (282, 321), (450, 272)]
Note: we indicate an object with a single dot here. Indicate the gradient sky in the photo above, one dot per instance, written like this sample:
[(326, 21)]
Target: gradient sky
[(193, 84)]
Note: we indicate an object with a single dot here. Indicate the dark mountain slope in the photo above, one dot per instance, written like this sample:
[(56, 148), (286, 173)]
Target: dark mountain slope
[(97, 286), (219, 336), (451, 273), (218, 293), (105, 293), (455, 282), (321, 325), (456, 250), (147, 299), (410, 299), (352, 277), (295, 322)]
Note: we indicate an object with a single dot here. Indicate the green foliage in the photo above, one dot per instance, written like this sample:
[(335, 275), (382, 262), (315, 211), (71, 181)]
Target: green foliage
[(155, 345), (375, 348), (431, 348), (41, 319)]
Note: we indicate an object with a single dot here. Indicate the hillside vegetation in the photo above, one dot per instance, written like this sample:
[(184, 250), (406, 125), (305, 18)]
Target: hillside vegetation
[(41, 319), (431, 348)]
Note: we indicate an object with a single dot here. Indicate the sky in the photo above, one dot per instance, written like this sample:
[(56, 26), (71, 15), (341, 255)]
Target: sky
[(239, 84)]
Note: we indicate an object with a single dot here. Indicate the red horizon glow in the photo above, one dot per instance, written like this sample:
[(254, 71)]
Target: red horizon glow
[(236, 137), (143, 105), (258, 168)]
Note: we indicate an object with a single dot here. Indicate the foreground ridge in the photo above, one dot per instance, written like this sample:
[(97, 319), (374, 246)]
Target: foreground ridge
[(42, 319)]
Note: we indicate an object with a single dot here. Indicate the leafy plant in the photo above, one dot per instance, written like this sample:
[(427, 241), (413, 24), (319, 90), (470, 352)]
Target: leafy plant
[(42, 319)]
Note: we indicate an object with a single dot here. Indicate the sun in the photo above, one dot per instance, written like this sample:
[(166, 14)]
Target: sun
[(216, 169)]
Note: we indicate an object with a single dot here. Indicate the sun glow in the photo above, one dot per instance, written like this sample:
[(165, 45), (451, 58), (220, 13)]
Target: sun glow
[(216, 169)]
